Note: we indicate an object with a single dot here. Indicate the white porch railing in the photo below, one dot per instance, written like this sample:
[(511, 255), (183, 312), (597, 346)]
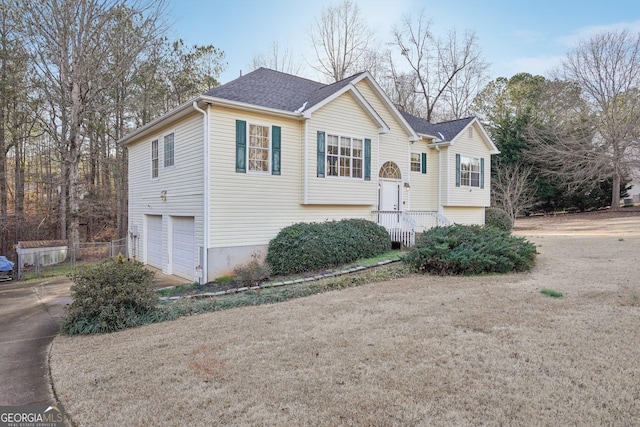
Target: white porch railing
[(403, 225)]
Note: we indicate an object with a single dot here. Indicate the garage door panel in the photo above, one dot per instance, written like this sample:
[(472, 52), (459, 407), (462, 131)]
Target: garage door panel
[(154, 240), (184, 247)]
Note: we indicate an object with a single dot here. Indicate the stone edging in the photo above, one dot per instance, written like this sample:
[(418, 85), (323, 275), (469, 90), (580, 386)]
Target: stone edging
[(283, 283)]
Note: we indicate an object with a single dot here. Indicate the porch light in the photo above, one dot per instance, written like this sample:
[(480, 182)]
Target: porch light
[(163, 195), (406, 186)]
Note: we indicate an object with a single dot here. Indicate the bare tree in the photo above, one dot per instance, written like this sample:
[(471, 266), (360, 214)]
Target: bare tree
[(604, 144), (340, 39), (448, 71), (512, 188), (67, 39), (276, 59)]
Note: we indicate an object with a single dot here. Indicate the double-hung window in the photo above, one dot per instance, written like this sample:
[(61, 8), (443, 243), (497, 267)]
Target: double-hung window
[(259, 147), (154, 159), (419, 162), (469, 171), (169, 150), (416, 162), (344, 156)]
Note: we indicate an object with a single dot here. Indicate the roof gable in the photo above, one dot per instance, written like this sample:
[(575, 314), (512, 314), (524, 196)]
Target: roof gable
[(448, 131)]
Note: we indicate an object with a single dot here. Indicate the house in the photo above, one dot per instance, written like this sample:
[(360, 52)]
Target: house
[(214, 180)]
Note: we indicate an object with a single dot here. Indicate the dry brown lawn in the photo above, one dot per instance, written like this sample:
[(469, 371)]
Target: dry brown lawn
[(422, 350)]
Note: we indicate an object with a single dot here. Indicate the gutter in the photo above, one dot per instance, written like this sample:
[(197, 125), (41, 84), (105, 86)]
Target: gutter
[(206, 194)]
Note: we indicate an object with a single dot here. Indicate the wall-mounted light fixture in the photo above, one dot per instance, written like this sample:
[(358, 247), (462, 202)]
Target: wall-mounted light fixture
[(163, 195), (406, 186)]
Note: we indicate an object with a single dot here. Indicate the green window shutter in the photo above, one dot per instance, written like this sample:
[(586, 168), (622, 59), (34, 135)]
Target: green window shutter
[(241, 146), (457, 170), (424, 163), (482, 172), (321, 154), (367, 159), (275, 150)]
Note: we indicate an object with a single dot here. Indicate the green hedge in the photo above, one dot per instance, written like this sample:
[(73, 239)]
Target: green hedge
[(499, 218), (112, 295), (305, 247), (464, 249)]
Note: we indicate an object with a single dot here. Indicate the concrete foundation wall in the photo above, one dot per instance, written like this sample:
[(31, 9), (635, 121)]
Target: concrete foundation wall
[(222, 261)]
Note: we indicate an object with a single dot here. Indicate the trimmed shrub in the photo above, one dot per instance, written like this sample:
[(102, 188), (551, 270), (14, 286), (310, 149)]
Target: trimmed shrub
[(305, 247), (498, 218), (470, 249), (109, 296)]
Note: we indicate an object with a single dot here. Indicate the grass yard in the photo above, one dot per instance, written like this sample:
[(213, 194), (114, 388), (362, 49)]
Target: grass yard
[(423, 350)]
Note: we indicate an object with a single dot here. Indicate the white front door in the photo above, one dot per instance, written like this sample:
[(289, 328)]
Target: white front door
[(389, 195)]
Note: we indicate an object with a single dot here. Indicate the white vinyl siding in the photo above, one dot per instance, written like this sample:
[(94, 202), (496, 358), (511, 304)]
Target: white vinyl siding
[(344, 119), (178, 190), (469, 195)]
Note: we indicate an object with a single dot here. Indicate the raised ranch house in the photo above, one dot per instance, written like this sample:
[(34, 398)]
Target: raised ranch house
[(214, 180)]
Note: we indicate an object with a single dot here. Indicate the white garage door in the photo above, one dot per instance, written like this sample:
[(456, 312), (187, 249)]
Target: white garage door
[(154, 240), (184, 247)]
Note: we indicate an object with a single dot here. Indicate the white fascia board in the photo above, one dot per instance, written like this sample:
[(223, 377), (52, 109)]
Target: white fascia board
[(381, 93), (175, 114), (485, 136), (187, 108)]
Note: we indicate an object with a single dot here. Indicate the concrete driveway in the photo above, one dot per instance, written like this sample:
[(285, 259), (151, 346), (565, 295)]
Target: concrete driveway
[(30, 314)]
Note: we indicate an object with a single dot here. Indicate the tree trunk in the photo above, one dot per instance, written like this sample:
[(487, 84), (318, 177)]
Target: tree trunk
[(615, 192)]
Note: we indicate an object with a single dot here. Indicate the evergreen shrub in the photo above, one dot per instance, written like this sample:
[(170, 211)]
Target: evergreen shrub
[(109, 296), (499, 218), (470, 249), (305, 247)]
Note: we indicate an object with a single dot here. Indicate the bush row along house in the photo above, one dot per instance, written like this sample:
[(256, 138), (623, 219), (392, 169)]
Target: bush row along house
[(214, 180)]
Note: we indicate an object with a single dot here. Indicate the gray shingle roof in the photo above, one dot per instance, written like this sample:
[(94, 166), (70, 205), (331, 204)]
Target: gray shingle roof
[(273, 89), (445, 130)]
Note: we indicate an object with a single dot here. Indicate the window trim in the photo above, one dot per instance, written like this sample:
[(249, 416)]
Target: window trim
[(173, 150), (248, 148), (362, 156), (155, 159)]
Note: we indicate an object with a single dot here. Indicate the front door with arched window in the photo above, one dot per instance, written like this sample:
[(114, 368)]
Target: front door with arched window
[(390, 179)]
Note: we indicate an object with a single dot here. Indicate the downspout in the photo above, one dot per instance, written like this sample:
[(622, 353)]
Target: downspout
[(440, 210), (305, 190), (207, 196)]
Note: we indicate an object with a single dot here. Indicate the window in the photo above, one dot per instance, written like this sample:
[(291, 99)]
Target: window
[(261, 153), (344, 156), (416, 162), (258, 148), (469, 171), (154, 158), (419, 162), (168, 151)]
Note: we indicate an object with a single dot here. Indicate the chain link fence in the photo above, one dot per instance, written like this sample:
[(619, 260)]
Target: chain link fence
[(46, 262)]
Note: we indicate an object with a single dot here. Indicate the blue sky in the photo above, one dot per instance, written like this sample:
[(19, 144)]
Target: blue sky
[(514, 35)]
